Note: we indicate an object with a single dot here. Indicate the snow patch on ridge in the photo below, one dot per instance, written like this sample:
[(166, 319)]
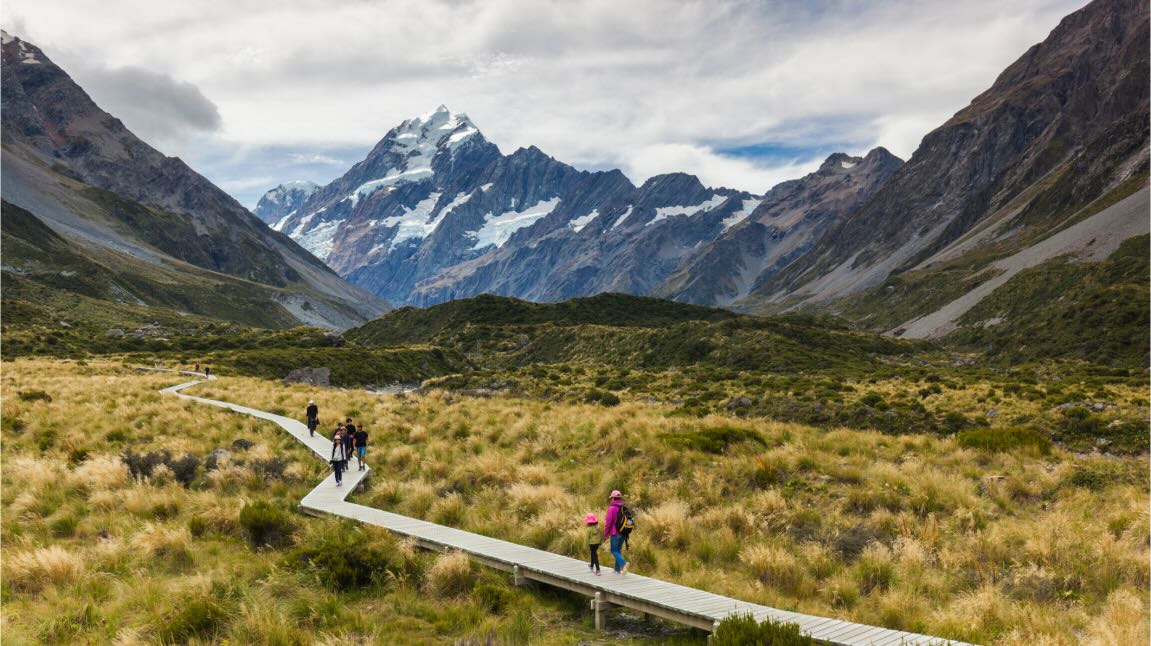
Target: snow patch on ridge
[(621, 218), (749, 205), (498, 229), (847, 164), (415, 223), (577, 224), (665, 212)]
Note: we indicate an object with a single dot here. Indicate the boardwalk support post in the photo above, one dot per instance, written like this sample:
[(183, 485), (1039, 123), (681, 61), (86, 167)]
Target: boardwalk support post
[(599, 606), (517, 577), (714, 627)]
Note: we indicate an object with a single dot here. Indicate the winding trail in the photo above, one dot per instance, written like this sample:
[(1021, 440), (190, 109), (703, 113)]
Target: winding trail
[(669, 601)]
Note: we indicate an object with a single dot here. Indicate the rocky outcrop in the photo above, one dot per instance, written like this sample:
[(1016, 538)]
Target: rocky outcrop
[(321, 377)]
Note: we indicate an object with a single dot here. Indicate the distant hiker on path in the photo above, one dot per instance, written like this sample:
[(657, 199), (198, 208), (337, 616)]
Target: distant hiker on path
[(594, 539), (611, 522), (349, 438), (313, 415), (339, 456), (361, 437), (197, 368), (207, 371)]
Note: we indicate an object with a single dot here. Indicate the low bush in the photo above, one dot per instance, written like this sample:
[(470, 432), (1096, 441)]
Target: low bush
[(197, 617), (266, 525), (1004, 439), (344, 556), (34, 396), (713, 440), (744, 630)]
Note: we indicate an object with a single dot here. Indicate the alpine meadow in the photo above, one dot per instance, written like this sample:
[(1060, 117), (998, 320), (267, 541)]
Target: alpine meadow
[(835, 328)]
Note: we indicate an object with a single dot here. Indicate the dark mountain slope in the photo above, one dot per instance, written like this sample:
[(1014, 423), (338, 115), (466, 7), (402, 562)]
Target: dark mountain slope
[(87, 177)]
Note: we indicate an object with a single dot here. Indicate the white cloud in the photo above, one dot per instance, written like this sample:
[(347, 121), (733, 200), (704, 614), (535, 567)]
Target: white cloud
[(642, 85)]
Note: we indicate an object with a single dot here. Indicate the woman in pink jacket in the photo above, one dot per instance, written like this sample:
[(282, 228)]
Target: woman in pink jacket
[(611, 531)]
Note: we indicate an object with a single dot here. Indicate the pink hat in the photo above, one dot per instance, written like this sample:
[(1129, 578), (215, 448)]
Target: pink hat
[(616, 494), (590, 519)]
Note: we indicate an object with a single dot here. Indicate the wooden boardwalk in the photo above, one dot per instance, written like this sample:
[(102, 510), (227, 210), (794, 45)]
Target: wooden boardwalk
[(669, 601)]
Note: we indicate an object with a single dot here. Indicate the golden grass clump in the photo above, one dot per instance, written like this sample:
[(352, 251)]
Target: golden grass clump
[(163, 541), (100, 472), (669, 523), (1124, 620), (775, 566), (31, 570), (450, 576)]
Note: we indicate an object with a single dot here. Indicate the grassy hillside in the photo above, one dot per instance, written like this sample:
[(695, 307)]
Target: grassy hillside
[(629, 331), (423, 325), (48, 279), (1095, 312)]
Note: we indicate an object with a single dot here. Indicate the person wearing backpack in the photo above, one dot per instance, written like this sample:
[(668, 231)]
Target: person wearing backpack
[(339, 456), (594, 540), (613, 521), (313, 415)]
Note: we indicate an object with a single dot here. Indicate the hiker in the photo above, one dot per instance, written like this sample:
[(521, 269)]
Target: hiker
[(313, 415), (339, 456), (594, 539), (361, 437), (197, 368), (349, 438), (207, 371), (611, 522)]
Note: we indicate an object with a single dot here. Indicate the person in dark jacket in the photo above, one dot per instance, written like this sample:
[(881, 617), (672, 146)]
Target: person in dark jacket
[(611, 531), (361, 437), (339, 459), (349, 438), (313, 416)]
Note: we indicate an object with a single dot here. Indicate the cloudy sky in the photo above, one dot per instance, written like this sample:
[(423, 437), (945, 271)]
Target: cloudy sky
[(741, 93)]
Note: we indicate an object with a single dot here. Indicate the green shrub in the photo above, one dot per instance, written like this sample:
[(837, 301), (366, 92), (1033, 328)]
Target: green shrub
[(713, 440), (266, 525), (63, 527), (492, 598), (601, 397), (197, 526), (34, 396), (1004, 439), (744, 630), (344, 556), (197, 617)]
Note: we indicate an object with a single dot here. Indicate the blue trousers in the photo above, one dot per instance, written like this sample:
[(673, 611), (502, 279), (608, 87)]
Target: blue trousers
[(616, 544)]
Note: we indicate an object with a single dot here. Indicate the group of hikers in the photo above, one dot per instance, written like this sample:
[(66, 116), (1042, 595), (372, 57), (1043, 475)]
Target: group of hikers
[(347, 442), (618, 521)]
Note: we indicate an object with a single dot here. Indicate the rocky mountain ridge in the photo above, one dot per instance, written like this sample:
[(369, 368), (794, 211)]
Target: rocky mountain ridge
[(435, 212), (79, 171)]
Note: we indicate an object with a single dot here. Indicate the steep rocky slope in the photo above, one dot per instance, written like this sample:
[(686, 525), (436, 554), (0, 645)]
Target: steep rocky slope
[(792, 216), (1061, 128), (79, 171)]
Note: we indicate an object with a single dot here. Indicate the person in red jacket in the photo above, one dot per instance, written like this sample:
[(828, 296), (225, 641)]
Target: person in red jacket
[(611, 523)]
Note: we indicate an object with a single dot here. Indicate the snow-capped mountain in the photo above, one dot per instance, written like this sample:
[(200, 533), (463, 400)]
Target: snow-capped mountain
[(282, 201), (436, 212)]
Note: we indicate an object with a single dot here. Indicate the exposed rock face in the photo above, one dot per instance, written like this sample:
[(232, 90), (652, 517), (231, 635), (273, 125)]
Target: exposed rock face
[(88, 177), (792, 216), (1058, 128), (310, 376), (282, 201)]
